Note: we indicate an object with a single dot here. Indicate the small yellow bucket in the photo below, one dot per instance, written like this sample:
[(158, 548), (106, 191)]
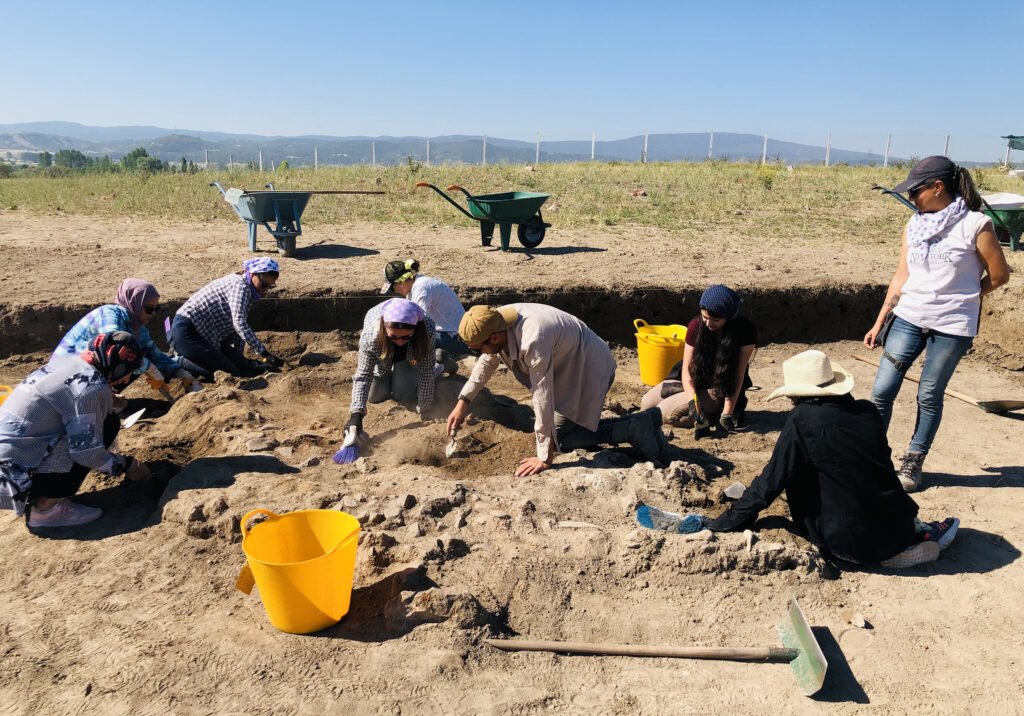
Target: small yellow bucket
[(5, 392), (658, 348), (303, 563)]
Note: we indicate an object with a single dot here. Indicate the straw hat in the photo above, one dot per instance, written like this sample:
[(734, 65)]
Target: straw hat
[(480, 322), (811, 374)]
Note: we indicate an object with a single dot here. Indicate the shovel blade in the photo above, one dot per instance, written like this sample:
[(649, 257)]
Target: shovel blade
[(810, 666), (1000, 406)]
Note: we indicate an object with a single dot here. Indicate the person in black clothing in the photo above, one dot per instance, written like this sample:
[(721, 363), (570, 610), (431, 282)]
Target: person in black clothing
[(710, 383), (835, 465)]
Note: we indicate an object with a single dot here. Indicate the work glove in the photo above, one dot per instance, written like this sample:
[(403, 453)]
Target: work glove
[(136, 470), (696, 414), (728, 423), (153, 375), (355, 419), (669, 388), (272, 360), (190, 382)]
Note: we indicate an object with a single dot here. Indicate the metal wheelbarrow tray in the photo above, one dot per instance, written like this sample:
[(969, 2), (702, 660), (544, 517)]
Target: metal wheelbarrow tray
[(505, 209), (284, 208)]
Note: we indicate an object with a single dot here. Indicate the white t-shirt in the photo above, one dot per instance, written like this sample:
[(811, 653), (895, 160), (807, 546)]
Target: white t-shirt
[(438, 301), (943, 289)]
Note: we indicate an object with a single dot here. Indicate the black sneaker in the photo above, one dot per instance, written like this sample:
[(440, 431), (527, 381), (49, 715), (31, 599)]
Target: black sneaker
[(447, 363), (942, 532)]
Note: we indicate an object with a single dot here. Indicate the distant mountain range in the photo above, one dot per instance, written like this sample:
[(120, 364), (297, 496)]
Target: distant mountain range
[(22, 143)]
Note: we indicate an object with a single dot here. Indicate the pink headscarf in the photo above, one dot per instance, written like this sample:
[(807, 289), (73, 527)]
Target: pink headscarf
[(132, 294)]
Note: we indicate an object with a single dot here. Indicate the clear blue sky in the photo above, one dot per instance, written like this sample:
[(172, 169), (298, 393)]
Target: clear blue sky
[(511, 69)]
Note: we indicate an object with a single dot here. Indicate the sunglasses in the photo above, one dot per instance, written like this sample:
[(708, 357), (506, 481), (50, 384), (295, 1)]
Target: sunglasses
[(917, 190), (151, 309), (398, 339)]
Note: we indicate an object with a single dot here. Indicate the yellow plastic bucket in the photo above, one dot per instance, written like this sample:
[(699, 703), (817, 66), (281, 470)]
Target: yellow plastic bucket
[(303, 563), (658, 348), (5, 391)]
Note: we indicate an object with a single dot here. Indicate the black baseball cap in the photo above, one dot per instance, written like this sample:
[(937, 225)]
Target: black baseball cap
[(926, 170), (392, 272)]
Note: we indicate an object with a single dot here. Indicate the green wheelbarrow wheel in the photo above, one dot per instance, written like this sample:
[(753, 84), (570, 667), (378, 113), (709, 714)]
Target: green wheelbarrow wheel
[(531, 233)]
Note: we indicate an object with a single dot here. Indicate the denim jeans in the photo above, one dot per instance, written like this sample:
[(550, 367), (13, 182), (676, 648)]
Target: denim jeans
[(943, 352), (401, 383), (451, 342)]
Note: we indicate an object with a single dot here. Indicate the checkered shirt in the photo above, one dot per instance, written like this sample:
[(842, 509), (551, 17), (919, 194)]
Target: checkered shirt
[(370, 364), (220, 310), (107, 319)]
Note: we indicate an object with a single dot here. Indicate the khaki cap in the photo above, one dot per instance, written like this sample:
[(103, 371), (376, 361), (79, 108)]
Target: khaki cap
[(481, 321)]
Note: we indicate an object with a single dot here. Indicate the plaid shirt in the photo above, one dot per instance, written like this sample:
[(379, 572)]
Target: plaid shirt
[(220, 310), (53, 419), (106, 319), (370, 364)]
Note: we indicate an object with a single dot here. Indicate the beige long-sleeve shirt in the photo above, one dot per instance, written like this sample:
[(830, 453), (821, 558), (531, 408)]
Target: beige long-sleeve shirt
[(566, 366)]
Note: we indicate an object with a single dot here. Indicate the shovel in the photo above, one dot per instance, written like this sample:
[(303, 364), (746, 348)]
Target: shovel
[(989, 406), (800, 650)]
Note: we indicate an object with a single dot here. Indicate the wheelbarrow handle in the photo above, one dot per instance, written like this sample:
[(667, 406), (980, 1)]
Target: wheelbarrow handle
[(456, 187), (449, 199), (893, 194), (217, 184)]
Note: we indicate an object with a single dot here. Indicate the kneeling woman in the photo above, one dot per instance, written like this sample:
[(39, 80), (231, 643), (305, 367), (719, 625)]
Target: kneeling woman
[(714, 368), (396, 358), (57, 425), (137, 303), (212, 327)]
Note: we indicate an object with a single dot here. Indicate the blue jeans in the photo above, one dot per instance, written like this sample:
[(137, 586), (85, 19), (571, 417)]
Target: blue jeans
[(451, 342), (401, 383), (905, 343)]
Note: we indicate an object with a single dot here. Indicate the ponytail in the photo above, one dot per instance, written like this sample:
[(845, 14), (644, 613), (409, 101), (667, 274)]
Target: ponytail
[(967, 189)]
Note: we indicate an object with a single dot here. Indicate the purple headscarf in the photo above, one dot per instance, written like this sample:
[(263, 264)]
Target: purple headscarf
[(260, 264), (132, 295), (399, 310)]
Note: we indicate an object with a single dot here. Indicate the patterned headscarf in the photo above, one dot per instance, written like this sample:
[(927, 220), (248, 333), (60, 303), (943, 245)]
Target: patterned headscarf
[(399, 310), (923, 228), (721, 301), (260, 264), (114, 354), (132, 295)]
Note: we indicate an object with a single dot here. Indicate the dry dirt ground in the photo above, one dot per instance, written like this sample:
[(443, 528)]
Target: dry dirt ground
[(138, 612)]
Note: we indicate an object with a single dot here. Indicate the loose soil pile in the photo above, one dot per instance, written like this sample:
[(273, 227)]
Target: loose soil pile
[(138, 612)]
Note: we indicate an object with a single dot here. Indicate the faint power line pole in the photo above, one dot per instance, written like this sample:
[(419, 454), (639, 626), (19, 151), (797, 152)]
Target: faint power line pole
[(888, 143), (945, 150), (711, 144), (764, 151), (485, 152), (828, 148), (643, 157)]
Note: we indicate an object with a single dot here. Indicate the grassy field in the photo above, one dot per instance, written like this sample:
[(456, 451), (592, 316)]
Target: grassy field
[(692, 198)]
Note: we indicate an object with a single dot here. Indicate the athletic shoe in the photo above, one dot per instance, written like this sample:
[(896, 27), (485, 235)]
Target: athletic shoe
[(656, 519), (942, 532), (447, 363), (910, 473), (920, 553), (64, 513)]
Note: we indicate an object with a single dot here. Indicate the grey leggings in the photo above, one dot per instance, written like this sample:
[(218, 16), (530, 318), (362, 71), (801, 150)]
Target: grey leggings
[(401, 383)]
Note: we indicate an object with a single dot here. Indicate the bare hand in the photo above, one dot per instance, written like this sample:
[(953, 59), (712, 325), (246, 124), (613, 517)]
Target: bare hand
[(137, 471), (531, 466), (456, 417), (869, 337)]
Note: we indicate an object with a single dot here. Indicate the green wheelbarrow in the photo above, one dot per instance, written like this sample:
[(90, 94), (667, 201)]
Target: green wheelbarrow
[(1009, 223), (512, 207)]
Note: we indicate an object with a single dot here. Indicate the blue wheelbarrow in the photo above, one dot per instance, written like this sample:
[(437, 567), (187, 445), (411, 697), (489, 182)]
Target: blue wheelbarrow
[(284, 208), (511, 207)]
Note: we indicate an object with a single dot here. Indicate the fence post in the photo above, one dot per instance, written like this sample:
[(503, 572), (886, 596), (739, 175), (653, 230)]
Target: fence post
[(828, 148), (261, 160), (428, 151), (537, 158), (231, 161), (316, 159), (764, 151), (1006, 159), (945, 150), (373, 154), (593, 138), (485, 151), (711, 144), (885, 162), (206, 164)]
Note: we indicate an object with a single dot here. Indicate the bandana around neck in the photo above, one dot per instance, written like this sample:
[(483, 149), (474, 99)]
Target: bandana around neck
[(922, 228)]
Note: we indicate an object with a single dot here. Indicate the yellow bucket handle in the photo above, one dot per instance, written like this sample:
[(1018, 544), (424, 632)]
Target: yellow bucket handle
[(661, 340), (268, 513), (639, 323)]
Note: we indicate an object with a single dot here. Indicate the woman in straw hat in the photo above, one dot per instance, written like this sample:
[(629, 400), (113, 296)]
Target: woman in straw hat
[(949, 260), (710, 383), (835, 466)]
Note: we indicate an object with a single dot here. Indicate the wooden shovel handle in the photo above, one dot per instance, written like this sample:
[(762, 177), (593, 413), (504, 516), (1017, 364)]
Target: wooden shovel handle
[(949, 391), (728, 653)]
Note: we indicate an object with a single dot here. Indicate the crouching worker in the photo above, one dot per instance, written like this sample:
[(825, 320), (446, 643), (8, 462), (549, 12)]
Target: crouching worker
[(212, 326), (57, 425), (137, 304), (834, 464), (396, 359), (566, 367)]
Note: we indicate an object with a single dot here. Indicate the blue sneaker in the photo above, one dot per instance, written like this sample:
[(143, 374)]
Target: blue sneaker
[(942, 532), (656, 519)]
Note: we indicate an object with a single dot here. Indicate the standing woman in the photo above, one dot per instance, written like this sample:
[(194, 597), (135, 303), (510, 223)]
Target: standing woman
[(212, 327), (396, 359), (714, 368), (137, 303), (438, 301), (58, 424), (949, 260)]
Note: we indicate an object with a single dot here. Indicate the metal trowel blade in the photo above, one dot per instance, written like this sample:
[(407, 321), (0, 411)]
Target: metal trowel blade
[(133, 418), (452, 446)]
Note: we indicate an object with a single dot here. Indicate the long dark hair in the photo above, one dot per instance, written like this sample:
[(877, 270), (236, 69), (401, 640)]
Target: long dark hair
[(417, 345), (961, 182), (716, 355)]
